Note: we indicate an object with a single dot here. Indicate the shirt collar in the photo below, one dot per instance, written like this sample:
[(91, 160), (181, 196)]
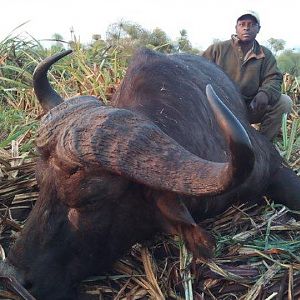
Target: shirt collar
[(256, 50)]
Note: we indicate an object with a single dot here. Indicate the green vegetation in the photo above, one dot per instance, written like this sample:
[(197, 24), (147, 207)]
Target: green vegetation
[(257, 247)]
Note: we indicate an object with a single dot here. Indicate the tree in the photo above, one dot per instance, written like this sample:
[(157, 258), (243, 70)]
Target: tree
[(216, 41), (59, 42), (124, 30), (289, 62), (184, 45), (159, 40), (130, 36), (276, 45)]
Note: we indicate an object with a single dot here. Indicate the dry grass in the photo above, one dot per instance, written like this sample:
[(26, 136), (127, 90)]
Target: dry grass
[(256, 255), (256, 259)]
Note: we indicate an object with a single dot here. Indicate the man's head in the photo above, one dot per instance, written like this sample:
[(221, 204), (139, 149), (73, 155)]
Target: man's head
[(247, 26)]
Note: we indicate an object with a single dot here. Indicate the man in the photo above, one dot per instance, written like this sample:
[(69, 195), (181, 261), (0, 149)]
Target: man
[(254, 69)]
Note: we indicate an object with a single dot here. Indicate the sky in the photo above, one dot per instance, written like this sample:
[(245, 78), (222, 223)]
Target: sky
[(204, 20)]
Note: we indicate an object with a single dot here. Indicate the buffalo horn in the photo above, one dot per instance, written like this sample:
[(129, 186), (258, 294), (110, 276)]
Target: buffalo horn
[(124, 143), (47, 97)]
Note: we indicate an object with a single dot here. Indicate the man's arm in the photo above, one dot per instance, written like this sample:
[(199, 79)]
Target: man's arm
[(271, 78), (210, 53)]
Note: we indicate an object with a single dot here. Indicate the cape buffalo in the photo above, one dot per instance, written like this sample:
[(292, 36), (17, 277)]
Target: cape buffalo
[(166, 153)]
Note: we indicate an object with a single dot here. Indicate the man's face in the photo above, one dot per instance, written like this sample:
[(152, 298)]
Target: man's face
[(247, 29)]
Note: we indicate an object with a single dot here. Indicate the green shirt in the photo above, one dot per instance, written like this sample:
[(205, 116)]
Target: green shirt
[(256, 71)]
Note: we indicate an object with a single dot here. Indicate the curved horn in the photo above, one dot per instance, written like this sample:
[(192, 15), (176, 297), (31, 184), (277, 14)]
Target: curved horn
[(43, 90), (242, 155), (125, 143)]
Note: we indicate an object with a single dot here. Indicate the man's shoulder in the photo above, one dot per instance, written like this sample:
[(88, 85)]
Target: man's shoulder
[(223, 43), (266, 51), (220, 44), (217, 49)]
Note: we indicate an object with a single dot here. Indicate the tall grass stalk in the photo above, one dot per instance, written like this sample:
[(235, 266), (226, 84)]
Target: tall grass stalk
[(290, 138), (185, 262)]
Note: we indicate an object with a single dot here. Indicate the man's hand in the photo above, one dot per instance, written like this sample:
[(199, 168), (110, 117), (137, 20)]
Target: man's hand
[(259, 102)]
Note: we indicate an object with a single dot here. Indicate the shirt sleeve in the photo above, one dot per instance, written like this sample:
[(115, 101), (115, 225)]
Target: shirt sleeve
[(271, 79), (210, 53)]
